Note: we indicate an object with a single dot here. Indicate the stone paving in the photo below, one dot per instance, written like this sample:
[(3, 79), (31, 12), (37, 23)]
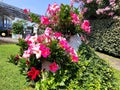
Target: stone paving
[(7, 40)]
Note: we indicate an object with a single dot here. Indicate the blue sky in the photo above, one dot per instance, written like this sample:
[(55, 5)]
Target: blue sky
[(36, 6)]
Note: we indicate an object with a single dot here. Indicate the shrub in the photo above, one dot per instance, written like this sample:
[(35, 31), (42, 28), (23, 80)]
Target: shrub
[(94, 73), (71, 18), (99, 9), (90, 73), (17, 27), (105, 36)]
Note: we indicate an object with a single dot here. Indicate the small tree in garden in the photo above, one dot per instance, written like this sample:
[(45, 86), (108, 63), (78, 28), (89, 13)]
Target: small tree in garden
[(49, 61), (17, 27)]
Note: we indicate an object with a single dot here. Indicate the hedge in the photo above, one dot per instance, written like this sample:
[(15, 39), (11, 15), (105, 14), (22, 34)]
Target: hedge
[(105, 36)]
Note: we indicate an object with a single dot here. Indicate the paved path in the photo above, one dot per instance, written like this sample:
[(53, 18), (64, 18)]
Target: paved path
[(7, 40), (114, 62)]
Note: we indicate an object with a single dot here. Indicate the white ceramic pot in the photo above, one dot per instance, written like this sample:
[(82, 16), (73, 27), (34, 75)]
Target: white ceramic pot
[(16, 36), (75, 41)]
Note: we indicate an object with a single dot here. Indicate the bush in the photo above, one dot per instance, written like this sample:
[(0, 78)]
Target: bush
[(105, 36), (94, 73), (90, 73), (17, 27), (99, 9)]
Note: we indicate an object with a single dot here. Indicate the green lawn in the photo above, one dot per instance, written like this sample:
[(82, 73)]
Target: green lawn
[(10, 77)]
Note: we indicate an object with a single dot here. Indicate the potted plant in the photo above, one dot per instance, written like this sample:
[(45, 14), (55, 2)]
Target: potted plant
[(17, 29)]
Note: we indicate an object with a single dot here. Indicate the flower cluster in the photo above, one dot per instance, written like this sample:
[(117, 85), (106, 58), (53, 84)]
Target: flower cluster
[(69, 16), (99, 7), (39, 55)]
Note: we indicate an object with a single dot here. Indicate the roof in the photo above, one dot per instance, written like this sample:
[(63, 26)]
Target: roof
[(12, 11)]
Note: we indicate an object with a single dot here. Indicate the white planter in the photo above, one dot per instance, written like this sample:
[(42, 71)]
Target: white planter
[(16, 36), (75, 41)]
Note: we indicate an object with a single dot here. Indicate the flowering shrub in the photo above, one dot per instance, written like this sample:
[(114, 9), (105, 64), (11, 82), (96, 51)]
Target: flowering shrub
[(62, 18), (46, 54), (51, 63), (93, 9)]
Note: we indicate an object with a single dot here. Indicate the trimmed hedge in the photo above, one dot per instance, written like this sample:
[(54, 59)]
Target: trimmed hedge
[(105, 36)]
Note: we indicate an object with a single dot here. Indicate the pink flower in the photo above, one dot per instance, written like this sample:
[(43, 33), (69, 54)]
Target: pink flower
[(53, 67), (64, 44), (26, 54), (45, 52), (75, 18), (89, 1), (48, 31), (41, 38), (70, 50), (74, 58), (86, 26), (82, 38), (30, 19), (33, 73), (57, 34), (26, 11), (45, 20), (27, 38), (36, 51), (111, 14), (98, 1), (52, 9), (84, 10), (107, 8), (42, 46), (33, 39)]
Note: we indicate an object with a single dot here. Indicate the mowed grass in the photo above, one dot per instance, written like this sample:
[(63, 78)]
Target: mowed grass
[(117, 76), (10, 77)]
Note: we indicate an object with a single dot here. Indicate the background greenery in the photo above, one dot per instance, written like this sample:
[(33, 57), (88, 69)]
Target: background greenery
[(105, 36)]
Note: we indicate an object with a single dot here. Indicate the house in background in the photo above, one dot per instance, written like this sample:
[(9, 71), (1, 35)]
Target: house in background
[(8, 15)]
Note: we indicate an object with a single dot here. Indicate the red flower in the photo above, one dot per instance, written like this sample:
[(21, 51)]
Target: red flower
[(26, 11), (33, 73), (17, 57), (53, 67), (74, 58)]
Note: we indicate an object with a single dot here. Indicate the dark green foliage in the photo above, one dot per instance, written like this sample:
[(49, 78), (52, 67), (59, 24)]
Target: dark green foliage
[(23, 45), (14, 59), (105, 36), (34, 18)]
